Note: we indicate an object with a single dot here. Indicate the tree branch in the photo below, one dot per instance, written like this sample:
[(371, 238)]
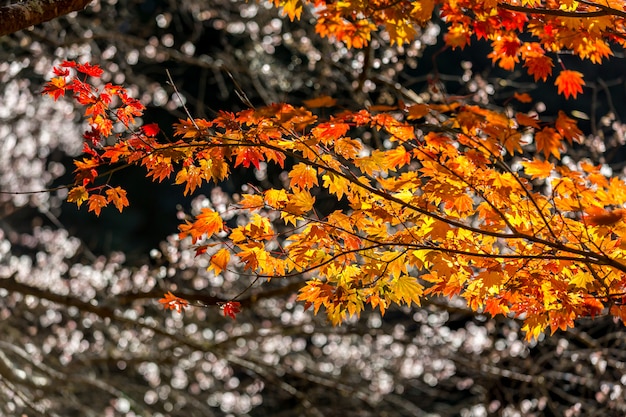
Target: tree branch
[(16, 17)]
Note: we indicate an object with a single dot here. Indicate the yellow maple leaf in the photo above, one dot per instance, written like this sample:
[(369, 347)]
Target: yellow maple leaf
[(534, 325), (300, 202), (78, 195), (581, 279), (292, 8), (407, 289)]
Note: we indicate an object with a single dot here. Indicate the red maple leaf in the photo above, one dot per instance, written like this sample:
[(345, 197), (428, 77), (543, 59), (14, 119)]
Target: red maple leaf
[(510, 47), (150, 130), (60, 72), (247, 156), (231, 308), (539, 67), (91, 70)]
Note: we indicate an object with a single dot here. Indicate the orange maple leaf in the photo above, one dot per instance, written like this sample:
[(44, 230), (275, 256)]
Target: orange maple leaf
[(549, 141), (569, 83), (537, 169), (172, 302), (303, 176), (568, 128), (55, 87), (323, 101), (539, 67), (522, 97), (117, 196), (207, 222), (96, 202), (219, 261)]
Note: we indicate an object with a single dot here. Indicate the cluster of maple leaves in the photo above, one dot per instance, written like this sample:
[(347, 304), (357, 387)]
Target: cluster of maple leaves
[(439, 211), (584, 28)]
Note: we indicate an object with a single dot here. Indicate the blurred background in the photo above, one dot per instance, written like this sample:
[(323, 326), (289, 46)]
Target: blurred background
[(83, 333)]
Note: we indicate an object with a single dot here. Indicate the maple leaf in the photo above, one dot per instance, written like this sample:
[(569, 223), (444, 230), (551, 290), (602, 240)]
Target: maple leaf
[(538, 169), (191, 176), (219, 261), (591, 307), (201, 250), (568, 128), (93, 137), (55, 87), (116, 152), (602, 217), (208, 222), (300, 203), (323, 101), (549, 141), (347, 147), (522, 97), (540, 67), (172, 302), (534, 325), (396, 158), (292, 8), (249, 155), (78, 195), (91, 70), (457, 36), (102, 124), (407, 289), (126, 114), (330, 131), (495, 306), (86, 170), (96, 202), (400, 31), (569, 83), (561, 320), (582, 279), (117, 196), (417, 111), (159, 169), (315, 293), (526, 120), (60, 72), (150, 130), (303, 176), (231, 309)]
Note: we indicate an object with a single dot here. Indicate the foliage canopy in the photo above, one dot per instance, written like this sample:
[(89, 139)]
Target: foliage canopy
[(439, 197)]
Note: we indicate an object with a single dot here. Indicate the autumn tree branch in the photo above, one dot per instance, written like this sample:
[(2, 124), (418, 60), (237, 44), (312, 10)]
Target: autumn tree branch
[(19, 16), (603, 10)]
